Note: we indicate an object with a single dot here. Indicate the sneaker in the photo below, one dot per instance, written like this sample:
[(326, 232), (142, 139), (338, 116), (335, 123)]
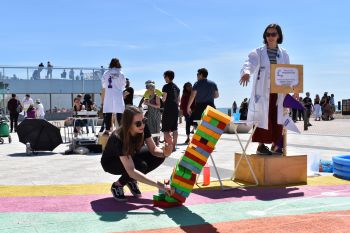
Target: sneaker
[(279, 151), (118, 192), (134, 188), (263, 150), (187, 141)]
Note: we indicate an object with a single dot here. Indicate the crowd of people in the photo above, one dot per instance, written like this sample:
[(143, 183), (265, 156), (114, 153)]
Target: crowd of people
[(133, 148), (26, 107)]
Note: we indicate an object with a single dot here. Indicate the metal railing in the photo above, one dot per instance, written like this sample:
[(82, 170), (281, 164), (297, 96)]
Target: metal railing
[(37, 73)]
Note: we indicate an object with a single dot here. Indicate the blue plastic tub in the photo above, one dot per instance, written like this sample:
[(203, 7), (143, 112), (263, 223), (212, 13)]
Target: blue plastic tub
[(341, 166)]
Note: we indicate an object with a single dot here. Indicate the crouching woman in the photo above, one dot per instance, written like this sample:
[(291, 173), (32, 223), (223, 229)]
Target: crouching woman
[(131, 152)]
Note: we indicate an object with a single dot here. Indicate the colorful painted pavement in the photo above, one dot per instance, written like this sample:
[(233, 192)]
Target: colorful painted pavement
[(321, 206)]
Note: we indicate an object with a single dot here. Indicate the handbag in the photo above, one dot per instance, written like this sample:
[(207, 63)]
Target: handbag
[(19, 108)]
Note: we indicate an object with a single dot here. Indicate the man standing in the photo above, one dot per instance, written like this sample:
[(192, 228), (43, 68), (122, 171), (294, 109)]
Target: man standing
[(14, 106), (49, 70), (171, 99), (128, 93), (308, 107), (204, 92)]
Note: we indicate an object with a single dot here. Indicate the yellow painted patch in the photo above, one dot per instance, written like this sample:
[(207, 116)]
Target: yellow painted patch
[(103, 188)]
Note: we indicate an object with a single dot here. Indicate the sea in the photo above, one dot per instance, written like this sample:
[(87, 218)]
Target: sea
[(225, 110)]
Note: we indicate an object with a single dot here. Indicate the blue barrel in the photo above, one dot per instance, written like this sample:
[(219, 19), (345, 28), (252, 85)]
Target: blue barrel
[(341, 166)]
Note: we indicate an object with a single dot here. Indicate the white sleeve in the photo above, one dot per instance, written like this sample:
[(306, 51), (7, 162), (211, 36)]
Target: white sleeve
[(251, 63)]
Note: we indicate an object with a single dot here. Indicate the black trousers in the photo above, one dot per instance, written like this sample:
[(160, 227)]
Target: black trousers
[(108, 119), (199, 109), (144, 162), (13, 121)]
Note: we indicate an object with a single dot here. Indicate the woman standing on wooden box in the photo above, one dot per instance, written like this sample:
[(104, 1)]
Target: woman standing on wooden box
[(266, 107)]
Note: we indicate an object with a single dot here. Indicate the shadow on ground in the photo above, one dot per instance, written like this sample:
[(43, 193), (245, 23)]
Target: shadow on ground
[(264, 194), (111, 211), (37, 153)]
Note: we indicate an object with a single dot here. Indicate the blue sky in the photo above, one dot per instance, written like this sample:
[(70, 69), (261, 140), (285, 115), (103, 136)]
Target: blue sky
[(150, 36)]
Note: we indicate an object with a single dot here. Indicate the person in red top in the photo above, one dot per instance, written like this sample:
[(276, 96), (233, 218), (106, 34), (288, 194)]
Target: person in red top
[(186, 93)]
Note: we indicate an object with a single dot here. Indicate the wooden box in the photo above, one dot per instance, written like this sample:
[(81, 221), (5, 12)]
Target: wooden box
[(273, 169)]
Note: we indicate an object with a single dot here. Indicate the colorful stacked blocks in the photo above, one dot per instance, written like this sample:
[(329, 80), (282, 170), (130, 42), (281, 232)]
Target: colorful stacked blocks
[(195, 157)]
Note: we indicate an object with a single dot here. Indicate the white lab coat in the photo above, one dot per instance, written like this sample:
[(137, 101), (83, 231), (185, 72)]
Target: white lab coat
[(259, 100), (113, 101)]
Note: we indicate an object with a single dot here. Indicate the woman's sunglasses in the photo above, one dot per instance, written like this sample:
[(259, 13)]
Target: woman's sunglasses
[(272, 34), (138, 124)]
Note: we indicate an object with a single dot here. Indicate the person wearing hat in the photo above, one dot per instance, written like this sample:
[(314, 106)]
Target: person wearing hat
[(113, 84), (40, 112)]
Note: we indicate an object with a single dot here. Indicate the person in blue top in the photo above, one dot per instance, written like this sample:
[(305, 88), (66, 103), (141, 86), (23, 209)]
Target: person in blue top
[(204, 92)]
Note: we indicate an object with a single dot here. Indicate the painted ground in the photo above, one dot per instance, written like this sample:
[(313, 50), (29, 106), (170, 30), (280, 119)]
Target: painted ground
[(321, 206)]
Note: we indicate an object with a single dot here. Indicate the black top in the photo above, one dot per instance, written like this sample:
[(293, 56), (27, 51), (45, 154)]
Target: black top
[(172, 97), (129, 98), (12, 105), (114, 146), (205, 91), (307, 102)]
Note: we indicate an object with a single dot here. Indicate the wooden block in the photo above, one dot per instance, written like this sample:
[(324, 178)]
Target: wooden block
[(190, 167), (212, 128), (181, 188), (195, 158), (208, 131), (206, 136), (200, 150), (187, 181), (179, 197), (102, 140), (193, 150), (212, 112), (192, 162), (207, 119), (159, 197), (164, 204), (170, 199), (214, 122), (221, 126), (203, 146), (273, 169)]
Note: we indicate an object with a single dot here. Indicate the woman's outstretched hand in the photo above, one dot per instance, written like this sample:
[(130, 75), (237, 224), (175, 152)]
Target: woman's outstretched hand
[(244, 80)]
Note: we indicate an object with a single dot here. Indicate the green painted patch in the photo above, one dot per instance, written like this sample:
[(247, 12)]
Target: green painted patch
[(91, 222)]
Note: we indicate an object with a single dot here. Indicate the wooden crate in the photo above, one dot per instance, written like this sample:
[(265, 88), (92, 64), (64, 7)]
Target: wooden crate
[(273, 170)]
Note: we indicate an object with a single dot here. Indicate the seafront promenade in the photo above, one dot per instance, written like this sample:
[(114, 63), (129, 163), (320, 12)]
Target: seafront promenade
[(53, 192), (324, 138)]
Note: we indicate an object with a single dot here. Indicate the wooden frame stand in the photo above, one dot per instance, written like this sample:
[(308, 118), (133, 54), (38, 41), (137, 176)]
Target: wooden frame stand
[(272, 170)]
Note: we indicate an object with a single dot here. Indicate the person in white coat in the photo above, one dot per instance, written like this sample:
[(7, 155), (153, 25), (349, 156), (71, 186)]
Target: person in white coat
[(264, 107), (113, 84)]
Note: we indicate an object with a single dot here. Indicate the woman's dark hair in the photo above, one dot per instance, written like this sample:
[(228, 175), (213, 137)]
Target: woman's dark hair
[(279, 31), (170, 74), (203, 72), (131, 144), (115, 63), (184, 90)]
